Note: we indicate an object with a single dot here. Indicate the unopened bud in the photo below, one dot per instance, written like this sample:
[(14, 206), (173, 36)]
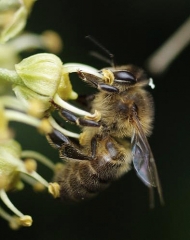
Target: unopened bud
[(41, 73)]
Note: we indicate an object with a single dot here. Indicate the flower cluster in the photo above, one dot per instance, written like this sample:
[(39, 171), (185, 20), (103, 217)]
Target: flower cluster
[(39, 82)]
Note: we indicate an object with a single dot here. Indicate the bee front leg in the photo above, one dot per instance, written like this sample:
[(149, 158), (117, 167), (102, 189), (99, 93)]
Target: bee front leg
[(102, 84)]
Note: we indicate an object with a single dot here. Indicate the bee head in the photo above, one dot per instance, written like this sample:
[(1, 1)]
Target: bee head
[(124, 77), (127, 76)]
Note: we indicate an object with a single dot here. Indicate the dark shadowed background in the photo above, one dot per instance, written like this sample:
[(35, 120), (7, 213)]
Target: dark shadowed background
[(132, 30)]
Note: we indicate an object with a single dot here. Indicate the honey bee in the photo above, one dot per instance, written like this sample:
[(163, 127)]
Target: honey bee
[(108, 145)]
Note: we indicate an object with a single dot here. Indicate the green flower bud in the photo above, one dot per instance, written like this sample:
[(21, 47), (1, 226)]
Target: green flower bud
[(42, 76), (41, 73)]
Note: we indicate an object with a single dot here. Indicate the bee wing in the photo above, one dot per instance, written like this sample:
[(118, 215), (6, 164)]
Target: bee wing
[(143, 159)]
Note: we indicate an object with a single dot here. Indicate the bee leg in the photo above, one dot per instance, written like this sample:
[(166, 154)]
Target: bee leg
[(71, 152), (94, 142), (93, 146), (56, 139), (72, 118), (79, 121), (67, 149), (107, 88), (96, 82)]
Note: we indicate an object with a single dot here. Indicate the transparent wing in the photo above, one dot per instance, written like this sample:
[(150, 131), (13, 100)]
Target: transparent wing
[(143, 159)]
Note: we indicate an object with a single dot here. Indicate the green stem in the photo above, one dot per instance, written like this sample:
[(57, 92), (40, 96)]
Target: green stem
[(12, 115), (41, 158), (9, 204), (5, 215), (10, 76)]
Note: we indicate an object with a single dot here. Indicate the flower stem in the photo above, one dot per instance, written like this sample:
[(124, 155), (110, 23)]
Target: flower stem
[(9, 204), (26, 41), (22, 117), (40, 179), (69, 107), (10, 76), (5, 215), (62, 130), (39, 157), (75, 67), (36, 176), (12, 102)]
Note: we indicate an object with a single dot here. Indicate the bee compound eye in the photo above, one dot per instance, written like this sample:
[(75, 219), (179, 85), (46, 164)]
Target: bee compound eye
[(124, 76)]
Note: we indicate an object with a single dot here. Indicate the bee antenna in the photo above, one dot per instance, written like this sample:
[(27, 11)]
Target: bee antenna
[(92, 39)]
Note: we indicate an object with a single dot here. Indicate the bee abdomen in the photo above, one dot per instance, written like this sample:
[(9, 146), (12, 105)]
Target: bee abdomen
[(83, 179), (79, 181)]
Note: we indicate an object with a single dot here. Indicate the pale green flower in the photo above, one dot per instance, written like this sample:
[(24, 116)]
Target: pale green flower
[(11, 167), (17, 165), (40, 77), (41, 73), (13, 17), (43, 77), (10, 51)]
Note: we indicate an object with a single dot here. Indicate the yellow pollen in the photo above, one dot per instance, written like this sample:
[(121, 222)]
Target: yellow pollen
[(54, 189)]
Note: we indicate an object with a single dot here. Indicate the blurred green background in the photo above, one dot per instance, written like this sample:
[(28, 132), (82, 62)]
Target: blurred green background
[(132, 30)]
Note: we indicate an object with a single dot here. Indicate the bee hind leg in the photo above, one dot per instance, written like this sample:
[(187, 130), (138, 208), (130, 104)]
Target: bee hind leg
[(56, 139), (67, 149)]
